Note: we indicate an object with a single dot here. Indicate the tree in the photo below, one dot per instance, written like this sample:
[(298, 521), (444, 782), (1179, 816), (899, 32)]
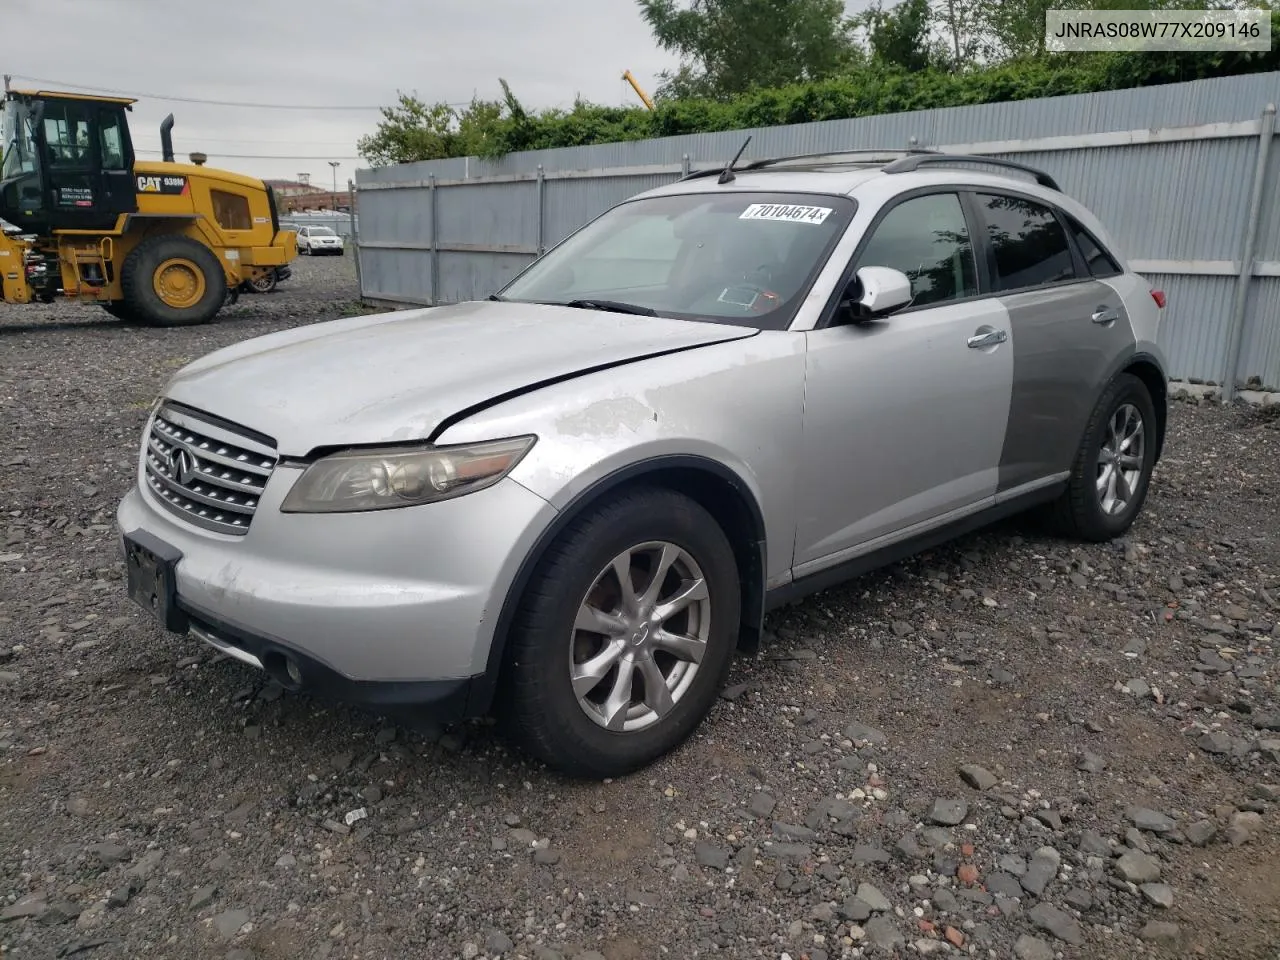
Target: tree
[(899, 37), (414, 130), (730, 47)]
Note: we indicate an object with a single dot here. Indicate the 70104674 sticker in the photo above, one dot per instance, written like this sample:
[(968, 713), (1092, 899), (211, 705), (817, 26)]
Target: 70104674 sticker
[(786, 212)]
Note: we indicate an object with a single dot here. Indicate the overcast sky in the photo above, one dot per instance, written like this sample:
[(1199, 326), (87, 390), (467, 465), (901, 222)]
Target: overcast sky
[(320, 52)]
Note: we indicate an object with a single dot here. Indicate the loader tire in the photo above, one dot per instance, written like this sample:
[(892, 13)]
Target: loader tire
[(120, 310), (173, 281)]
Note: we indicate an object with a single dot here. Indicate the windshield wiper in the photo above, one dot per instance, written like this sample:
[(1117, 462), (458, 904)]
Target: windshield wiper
[(617, 306)]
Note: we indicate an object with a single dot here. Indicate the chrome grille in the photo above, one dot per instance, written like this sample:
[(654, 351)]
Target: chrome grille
[(210, 474)]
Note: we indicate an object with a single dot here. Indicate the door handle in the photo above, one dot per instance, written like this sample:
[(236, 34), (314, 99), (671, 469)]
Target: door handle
[(1105, 315), (988, 339)]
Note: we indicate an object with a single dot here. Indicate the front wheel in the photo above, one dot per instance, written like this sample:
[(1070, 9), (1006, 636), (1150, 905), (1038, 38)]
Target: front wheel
[(1112, 469), (624, 635), (172, 280)]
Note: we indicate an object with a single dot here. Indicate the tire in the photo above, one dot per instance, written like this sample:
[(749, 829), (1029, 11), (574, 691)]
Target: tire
[(120, 310), (198, 286), (1079, 512), (265, 284), (542, 712)]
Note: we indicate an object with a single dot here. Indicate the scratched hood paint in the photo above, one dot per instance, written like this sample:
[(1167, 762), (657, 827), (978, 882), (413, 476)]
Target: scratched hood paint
[(396, 376)]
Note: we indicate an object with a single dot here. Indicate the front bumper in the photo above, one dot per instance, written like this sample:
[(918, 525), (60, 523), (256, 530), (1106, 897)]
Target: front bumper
[(392, 607)]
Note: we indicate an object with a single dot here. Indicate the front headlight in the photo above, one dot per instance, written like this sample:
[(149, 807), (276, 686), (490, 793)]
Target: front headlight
[(358, 480)]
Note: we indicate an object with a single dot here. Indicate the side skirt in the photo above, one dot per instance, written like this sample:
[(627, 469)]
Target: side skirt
[(910, 546)]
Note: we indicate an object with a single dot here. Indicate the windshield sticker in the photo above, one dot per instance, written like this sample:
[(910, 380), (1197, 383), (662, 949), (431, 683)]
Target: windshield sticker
[(789, 212)]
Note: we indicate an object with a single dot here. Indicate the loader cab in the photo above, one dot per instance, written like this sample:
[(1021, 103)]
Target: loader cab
[(67, 162)]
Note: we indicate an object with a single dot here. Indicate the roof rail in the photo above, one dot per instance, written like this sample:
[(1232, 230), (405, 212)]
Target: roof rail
[(835, 156), (918, 160), (869, 155)]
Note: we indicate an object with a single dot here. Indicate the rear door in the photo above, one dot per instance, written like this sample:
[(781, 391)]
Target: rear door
[(905, 418), (1067, 330)]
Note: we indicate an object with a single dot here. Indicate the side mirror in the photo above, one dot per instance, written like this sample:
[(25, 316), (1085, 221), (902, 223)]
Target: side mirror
[(876, 292)]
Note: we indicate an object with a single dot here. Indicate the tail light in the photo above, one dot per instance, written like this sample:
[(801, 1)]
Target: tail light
[(1159, 297)]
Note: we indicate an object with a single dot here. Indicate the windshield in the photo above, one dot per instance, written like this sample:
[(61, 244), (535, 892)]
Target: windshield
[(321, 232), (19, 143), (735, 257)]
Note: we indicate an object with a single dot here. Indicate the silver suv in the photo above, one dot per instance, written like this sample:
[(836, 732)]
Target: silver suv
[(572, 502)]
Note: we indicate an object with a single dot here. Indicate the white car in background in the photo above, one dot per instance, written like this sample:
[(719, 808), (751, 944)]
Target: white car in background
[(318, 240)]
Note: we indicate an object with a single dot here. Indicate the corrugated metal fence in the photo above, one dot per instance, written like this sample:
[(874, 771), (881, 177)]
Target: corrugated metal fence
[(1172, 169)]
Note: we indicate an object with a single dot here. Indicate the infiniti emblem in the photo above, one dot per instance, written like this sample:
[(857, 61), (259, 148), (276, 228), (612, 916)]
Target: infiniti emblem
[(182, 466)]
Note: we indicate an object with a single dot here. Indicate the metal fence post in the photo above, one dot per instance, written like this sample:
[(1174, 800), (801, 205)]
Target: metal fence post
[(542, 195), (355, 234), (435, 240), (684, 165), (1235, 330)]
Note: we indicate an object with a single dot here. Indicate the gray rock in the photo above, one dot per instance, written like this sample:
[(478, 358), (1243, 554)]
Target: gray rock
[(855, 910), (762, 805), (949, 813), (1004, 885), (107, 853), (203, 897), (1266, 721), (524, 837), (1215, 743), (945, 900), (146, 866), (1032, 948), (873, 898), (864, 853), (228, 924), (1041, 871), (1158, 894), (909, 848), (1201, 833), (883, 933), (1014, 864), (546, 857), (709, 855), (499, 943), (1138, 867), (1044, 916), (32, 906), (1138, 687), (546, 953), (1050, 818), (861, 733), (732, 693), (1150, 820), (1159, 930), (1091, 763), (823, 913), (1094, 844), (978, 777), (589, 955), (240, 955), (787, 851), (792, 831), (1078, 898)]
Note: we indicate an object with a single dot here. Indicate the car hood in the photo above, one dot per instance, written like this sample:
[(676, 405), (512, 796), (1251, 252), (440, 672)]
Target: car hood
[(395, 377)]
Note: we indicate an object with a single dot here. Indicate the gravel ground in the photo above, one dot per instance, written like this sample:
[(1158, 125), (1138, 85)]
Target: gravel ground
[(1013, 747)]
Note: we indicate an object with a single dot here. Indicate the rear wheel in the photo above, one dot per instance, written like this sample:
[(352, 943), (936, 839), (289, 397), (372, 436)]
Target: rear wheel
[(624, 636), (1112, 469), (263, 284), (172, 281)]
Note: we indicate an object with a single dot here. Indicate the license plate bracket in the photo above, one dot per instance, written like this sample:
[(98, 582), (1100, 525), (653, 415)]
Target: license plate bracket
[(152, 576)]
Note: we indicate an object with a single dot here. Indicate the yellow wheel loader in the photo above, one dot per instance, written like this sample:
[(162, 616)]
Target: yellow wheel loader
[(160, 243)]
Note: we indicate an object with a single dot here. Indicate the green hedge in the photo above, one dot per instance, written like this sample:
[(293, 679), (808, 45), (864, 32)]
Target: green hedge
[(868, 93)]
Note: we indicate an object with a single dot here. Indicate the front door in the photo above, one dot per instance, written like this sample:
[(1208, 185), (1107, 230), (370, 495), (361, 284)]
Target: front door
[(905, 417)]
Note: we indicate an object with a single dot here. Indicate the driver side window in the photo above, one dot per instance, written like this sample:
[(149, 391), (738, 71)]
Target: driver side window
[(928, 239)]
